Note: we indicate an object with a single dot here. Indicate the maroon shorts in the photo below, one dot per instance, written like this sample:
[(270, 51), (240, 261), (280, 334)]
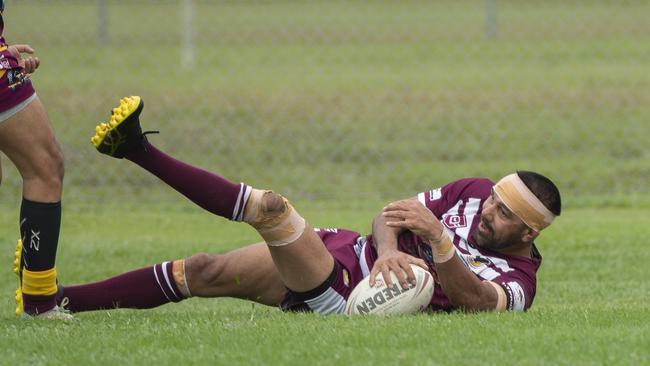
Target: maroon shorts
[(347, 247), (15, 88)]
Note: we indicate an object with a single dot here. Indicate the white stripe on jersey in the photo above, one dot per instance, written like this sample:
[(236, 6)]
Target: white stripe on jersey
[(422, 199), (434, 194), (517, 296), (329, 302), (454, 210), (502, 264), (471, 208), (360, 251)]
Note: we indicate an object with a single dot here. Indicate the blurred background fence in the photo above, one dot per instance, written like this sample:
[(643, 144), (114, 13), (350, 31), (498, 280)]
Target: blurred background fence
[(349, 100)]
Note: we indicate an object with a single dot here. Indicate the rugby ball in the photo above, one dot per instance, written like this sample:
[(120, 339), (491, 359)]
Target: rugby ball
[(381, 300)]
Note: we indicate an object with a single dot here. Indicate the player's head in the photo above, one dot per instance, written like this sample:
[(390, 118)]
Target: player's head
[(520, 206)]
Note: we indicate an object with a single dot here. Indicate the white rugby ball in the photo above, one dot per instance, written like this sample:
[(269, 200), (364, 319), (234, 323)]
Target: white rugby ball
[(381, 300)]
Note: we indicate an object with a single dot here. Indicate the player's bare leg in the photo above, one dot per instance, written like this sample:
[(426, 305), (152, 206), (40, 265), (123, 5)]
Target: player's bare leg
[(28, 140), (259, 272), (299, 254), (294, 257), (245, 273)]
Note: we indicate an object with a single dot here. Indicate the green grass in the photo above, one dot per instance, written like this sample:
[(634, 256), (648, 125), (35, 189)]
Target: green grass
[(342, 106), (591, 306)]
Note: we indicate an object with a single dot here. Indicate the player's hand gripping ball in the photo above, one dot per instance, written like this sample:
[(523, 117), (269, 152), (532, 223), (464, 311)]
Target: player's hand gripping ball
[(381, 300)]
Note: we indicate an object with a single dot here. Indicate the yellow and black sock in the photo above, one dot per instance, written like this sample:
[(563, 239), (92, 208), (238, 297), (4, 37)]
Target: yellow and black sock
[(39, 227)]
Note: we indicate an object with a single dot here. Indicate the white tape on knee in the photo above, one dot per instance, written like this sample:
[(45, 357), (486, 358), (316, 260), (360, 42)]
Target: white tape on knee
[(277, 229)]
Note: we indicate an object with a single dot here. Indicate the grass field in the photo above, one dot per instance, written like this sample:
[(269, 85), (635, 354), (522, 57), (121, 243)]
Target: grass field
[(342, 106), (591, 306)]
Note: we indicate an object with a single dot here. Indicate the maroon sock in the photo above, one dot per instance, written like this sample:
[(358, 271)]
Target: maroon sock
[(210, 191), (34, 305), (143, 288)]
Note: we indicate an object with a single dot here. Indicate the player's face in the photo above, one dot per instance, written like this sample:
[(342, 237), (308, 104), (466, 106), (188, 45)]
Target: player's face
[(499, 228)]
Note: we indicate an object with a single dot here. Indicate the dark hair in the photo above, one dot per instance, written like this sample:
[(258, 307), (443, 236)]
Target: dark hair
[(543, 189)]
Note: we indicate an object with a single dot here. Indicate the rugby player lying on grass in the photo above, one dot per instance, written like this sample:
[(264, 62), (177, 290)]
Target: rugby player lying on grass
[(475, 236)]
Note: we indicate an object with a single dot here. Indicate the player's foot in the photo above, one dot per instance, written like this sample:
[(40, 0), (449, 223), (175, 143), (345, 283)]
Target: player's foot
[(56, 313), (122, 133)]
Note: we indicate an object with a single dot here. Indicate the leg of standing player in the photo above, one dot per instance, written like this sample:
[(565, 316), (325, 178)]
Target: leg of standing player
[(28, 140)]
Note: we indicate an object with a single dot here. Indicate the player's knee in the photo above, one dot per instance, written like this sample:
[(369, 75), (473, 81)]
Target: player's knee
[(203, 272), (47, 168), (53, 169), (273, 205), (263, 208), (56, 164), (274, 218), (197, 265)]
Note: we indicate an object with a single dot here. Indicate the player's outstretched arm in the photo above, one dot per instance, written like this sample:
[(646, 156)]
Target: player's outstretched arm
[(460, 285), (28, 63), (389, 257), (465, 290)]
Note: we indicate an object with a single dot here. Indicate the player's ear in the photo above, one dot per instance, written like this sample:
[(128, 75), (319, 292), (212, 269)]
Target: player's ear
[(528, 235)]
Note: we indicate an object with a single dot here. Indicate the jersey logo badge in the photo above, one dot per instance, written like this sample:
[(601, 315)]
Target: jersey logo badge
[(477, 261), (454, 221), (4, 63)]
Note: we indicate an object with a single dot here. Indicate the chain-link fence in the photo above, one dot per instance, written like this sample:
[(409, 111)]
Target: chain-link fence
[(349, 99)]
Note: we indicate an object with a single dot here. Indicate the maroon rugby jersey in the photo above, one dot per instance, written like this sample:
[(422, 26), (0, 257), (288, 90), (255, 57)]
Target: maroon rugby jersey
[(7, 61), (458, 206)]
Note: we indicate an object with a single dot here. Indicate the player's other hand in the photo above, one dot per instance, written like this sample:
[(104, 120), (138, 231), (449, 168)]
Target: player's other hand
[(415, 217), (28, 63), (400, 264)]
